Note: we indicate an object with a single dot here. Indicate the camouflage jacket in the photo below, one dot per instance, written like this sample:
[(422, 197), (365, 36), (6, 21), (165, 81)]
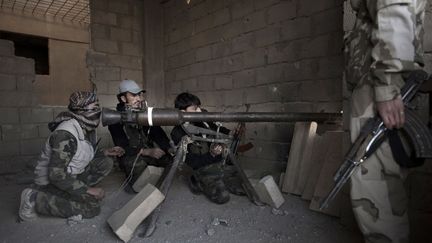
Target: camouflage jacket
[(385, 42), (66, 154)]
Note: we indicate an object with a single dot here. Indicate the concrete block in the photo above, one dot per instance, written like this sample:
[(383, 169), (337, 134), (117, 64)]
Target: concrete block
[(223, 82), (203, 53), (296, 28), (271, 74), (24, 65), (232, 30), (126, 61), (331, 67), (43, 131), (124, 221), (113, 87), (130, 49), (119, 34), (267, 36), (221, 49), (255, 58), (36, 115), (254, 21), (103, 17), (282, 11), (233, 63), (243, 43), (29, 131), (9, 99), (205, 83), (150, 175), (268, 192), (122, 7), (179, 47), (9, 148), (202, 24), (99, 4), (260, 4), (198, 11), (136, 75), (8, 82), (104, 45), (327, 21), (7, 48), (183, 73), (286, 51), (100, 31), (190, 84), (309, 7), (245, 78), (31, 146), (234, 97), (9, 115), (221, 17), (25, 82), (7, 65), (96, 58), (175, 87), (10, 132), (241, 8), (107, 73)]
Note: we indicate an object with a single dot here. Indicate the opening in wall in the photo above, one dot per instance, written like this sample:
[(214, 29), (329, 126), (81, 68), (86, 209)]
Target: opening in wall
[(29, 46)]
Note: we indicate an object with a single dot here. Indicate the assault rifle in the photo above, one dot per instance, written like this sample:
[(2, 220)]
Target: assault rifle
[(374, 133)]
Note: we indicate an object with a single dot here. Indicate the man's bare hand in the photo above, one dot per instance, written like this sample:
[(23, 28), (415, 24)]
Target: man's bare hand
[(392, 112), (156, 153), (97, 192), (216, 149), (114, 151)]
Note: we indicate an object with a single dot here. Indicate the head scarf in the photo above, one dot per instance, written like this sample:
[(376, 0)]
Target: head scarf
[(87, 118)]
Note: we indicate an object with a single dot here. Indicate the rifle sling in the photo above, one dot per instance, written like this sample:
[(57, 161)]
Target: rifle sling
[(400, 154)]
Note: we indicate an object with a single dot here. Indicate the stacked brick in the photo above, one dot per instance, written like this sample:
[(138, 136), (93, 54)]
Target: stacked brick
[(23, 124), (116, 48), (272, 55)]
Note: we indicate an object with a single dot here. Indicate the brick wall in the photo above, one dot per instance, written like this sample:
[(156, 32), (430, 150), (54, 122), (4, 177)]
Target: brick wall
[(273, 55), (23, 124), (116, 48)]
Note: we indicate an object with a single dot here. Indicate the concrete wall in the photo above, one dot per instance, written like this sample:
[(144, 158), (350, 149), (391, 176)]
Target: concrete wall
[(67, 44), (272, 55), (116, 48), (23, 123), (28, 101)]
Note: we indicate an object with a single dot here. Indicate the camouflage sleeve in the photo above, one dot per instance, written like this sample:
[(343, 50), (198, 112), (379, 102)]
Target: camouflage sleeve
[(64, 147), (393, 40)]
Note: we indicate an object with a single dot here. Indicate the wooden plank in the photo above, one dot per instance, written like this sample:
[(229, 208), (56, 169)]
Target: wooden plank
[(319, 152), (301, 142), (333, 160)]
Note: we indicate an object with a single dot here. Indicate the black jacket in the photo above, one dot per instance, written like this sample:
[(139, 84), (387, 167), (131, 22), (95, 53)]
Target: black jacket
[(150, 134), (198, 152)]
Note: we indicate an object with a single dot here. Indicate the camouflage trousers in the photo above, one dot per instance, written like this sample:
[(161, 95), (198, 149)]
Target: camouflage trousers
[(210, 182), (53, 201), (141, 164), (378, 195)]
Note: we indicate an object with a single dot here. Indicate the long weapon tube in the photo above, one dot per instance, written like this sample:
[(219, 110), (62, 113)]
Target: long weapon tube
[(343, 179), (172, 117)]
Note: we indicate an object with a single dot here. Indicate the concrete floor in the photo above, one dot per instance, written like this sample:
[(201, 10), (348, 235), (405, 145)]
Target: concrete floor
[(184, 218)]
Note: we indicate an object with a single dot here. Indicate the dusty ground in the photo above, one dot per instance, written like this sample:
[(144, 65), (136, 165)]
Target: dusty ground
[(184, 218)]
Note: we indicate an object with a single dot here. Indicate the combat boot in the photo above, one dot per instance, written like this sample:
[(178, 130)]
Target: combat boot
[(27, 211)]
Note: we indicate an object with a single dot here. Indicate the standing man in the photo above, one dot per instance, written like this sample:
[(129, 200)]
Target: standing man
[(143, 145), (385, 44), (67, 170)]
